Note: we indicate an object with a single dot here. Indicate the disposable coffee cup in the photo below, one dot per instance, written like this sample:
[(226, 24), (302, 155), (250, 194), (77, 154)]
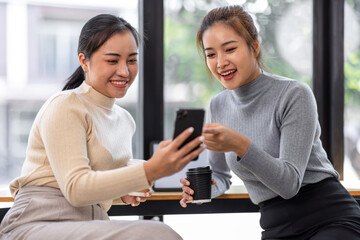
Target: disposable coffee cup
[(200, 182), (140, 193)]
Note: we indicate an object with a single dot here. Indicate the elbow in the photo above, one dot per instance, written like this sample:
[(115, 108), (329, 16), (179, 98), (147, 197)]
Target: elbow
[(288, 195), (294, 179), (224, 179), (228, 184), (75, 197), (76, 203), (74, 200), (290, 191), (75, 192)]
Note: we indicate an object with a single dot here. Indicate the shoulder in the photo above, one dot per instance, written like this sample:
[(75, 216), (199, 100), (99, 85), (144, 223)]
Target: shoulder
[(289, 88), (61, 105), (289, 83), (220, 97), (298, 90), (294, 96), (65, 100)]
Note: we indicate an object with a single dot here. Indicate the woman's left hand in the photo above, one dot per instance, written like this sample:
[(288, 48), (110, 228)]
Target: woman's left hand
[(219, 138), (134, 200)]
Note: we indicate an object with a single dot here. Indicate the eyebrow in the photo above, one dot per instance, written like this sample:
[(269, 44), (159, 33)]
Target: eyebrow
[(224, 44), (118, 55)]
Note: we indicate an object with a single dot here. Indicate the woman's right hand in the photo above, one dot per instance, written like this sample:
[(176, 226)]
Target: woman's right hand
[(187, 192), (169, 159)]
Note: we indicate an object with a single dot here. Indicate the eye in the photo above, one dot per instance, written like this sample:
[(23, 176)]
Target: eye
[(133, 60), (112, 61), (231, 49), (210, 55)]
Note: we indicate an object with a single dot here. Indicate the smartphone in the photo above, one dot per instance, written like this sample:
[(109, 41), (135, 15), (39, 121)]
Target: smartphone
[(186, 118)]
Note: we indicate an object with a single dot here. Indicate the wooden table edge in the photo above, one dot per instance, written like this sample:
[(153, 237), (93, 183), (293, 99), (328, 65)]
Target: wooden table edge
[(177, 196)]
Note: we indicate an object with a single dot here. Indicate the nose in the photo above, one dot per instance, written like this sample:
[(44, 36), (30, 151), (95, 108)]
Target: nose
[(122, 69), (222, 61)]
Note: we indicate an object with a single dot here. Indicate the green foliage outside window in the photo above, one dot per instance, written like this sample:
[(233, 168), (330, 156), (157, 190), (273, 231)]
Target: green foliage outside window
[(352, 82)]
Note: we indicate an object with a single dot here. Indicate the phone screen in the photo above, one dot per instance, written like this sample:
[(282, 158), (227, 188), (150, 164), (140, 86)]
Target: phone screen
[(186, 118)]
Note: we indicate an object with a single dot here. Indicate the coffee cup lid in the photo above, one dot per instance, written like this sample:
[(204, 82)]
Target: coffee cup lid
[(199, 169)]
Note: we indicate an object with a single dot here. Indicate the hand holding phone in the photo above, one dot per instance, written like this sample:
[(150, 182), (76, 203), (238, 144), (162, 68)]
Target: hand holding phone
[(186, 118)]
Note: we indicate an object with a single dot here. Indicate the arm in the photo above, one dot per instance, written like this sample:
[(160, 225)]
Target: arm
[(296, 116), (217, 161), (297, 120), (221, 173), (64, 130)]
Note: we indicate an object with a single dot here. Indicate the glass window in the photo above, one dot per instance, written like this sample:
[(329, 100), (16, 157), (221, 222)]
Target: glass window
[(53, 41), (285, 29), (3, 148), (2, 42), (352, 91), (41, 55)]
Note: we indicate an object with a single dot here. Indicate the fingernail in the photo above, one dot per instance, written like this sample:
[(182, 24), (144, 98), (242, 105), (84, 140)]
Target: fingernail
[(138, 199), (190, 129), (201, 138)]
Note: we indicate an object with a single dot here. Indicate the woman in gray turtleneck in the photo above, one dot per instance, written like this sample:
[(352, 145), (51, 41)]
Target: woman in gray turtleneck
[(265, 129)]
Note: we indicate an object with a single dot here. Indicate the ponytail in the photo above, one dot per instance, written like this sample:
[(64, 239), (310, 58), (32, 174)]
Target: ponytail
[(75, 79)]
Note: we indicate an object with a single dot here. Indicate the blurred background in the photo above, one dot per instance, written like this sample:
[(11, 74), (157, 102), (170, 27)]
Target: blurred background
[(38, 52), (38, 46)]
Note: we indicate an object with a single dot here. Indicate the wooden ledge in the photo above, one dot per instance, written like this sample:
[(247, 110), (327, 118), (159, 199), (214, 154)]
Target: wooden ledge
[(235, 192), (6, 199), (164, 196)]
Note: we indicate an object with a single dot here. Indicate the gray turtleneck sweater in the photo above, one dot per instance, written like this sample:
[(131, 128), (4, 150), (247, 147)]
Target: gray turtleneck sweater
[(279, 117)]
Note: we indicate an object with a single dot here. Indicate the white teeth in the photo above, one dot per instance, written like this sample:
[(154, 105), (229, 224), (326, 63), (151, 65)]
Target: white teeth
[(227, 73), (119, 82)]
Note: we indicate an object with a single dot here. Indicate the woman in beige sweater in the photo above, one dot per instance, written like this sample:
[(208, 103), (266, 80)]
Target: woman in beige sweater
[(79, 147)]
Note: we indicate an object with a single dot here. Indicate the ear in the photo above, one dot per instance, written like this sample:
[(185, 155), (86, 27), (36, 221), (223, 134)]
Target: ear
[(256, 46), (83, 62)]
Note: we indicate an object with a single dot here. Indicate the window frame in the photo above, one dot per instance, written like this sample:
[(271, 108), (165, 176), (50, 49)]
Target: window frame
[(328, 76), (151, 89)]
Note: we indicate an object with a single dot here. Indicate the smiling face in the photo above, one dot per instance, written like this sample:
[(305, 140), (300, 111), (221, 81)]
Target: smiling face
[(228, 56), (113, 67)]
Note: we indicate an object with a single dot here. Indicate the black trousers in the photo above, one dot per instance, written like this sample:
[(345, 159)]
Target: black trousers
[(320, 211)]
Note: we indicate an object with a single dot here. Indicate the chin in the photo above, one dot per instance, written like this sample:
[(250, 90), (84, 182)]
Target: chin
[(117, 93), (120, 95), (229, 86)]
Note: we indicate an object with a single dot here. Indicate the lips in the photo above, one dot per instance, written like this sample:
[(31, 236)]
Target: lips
[(119, 83), (228, 74)]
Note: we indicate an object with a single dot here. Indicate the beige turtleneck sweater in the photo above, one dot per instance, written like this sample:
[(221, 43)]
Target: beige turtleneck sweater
[(80, 142)]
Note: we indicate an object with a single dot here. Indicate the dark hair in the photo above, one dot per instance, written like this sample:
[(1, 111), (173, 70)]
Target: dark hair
[(237, 18), (93, 35)]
